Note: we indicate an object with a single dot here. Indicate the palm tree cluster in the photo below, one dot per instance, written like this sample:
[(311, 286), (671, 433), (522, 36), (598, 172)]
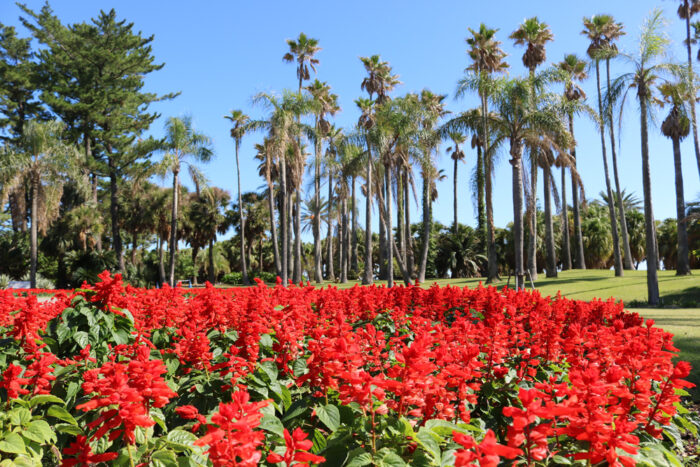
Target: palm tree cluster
[(84, 179)]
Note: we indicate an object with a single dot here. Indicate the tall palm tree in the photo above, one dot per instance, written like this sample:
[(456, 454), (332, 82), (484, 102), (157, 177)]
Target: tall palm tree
[(45, 162), (457, 155), (335, 141), (182, 145), (267, 169), (324, 103), (207, 214), (686, 10), (524, 125), (676, 126), (534, 34), (614, 32), (574, 71), (597, 28), (647, 64), (487, 59), (240, 121)]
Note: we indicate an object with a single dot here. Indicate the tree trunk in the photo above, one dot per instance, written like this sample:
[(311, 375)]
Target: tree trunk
[(548, 226), (410, 266), (566, 243), (382, 234), (284, 221), (389, 230), (18, 212), (516, 162), (532, 219), (579, 259), (400, 230), (611, 199), (93, 180), (652, 256), (290, 237), (33, 241), (353, 236), (161, 265), (212, 274), (330, 272), (488, 192), (195, 273), (480, 206), (368, 276), (691, 79), (627, 252), (454, 192), (683, 263), (173, 229), (383, 216), (297, 239), (134, 245), (318, 272), (114, 211), (241, 213), (273, 229), (343, 245), (427, 225)]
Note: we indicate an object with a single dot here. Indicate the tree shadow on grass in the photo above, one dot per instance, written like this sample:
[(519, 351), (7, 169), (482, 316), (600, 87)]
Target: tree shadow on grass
[(690, 351)]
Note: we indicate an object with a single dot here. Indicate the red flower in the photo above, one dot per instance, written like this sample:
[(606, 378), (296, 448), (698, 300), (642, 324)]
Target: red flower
[(296, 453), (13, 383), (488, 453), (80, 448)]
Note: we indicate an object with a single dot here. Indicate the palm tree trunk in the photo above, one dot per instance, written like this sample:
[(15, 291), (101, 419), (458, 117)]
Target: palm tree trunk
[(212, 273), (454, 192), (33, 240), (427, 225), (611, 199), (244, 265), (114, 212), (516, 162), (382, 234), (548, 226), (273, 229), (161, 265), (566, 244), (410, 262), (683, 263), (492, 273), (173, 229), (400, 231), (652, 256), (480, 206), (318, 272), (330, 273), (627, 252), (579, 259), (368, 276), (389, 230), (284, 221), (297, 238), (691, 79), (353, 236), (532, 219), (343, 239), (290, 237)]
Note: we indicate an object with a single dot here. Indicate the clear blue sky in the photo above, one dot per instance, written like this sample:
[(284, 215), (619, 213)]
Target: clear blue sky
[(220, 53)]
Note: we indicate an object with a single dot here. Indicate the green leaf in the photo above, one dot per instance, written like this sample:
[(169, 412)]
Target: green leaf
[(56, 411), (164, 458), (180, 440), (44, 399), (319, 442), (13, 444), (39, 431), (358, 458), (329, 415), (81, 338), (68, 429), (388, 458), (272, 424), (20, 416), (299, 367), (561, 460), (427, 441)]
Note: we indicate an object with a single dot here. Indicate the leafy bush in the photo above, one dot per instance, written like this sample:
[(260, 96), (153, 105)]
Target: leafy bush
[(236, 278)]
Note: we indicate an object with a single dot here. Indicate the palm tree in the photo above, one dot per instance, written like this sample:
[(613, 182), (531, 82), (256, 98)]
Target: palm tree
[(302, 51), (240, 121), (181, 144), (534, 34), (324, 103), (45, 162), (676, 126), (647, 66), (457, 155), (207, 214), (597, 28), (524, 124), (487, 59), (574, 71), (686, 10), (267, 168)]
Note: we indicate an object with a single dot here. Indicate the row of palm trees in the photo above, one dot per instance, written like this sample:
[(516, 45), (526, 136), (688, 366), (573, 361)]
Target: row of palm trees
[(523, 115)]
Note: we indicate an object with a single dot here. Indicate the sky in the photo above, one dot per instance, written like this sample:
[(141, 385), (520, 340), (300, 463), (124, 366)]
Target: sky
[(218, 54)]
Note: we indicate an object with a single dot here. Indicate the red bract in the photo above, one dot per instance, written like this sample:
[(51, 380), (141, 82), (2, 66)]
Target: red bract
[(231, 438), (297, 450), (128, 391), (488, 453), (12, 383), (81, 454)]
